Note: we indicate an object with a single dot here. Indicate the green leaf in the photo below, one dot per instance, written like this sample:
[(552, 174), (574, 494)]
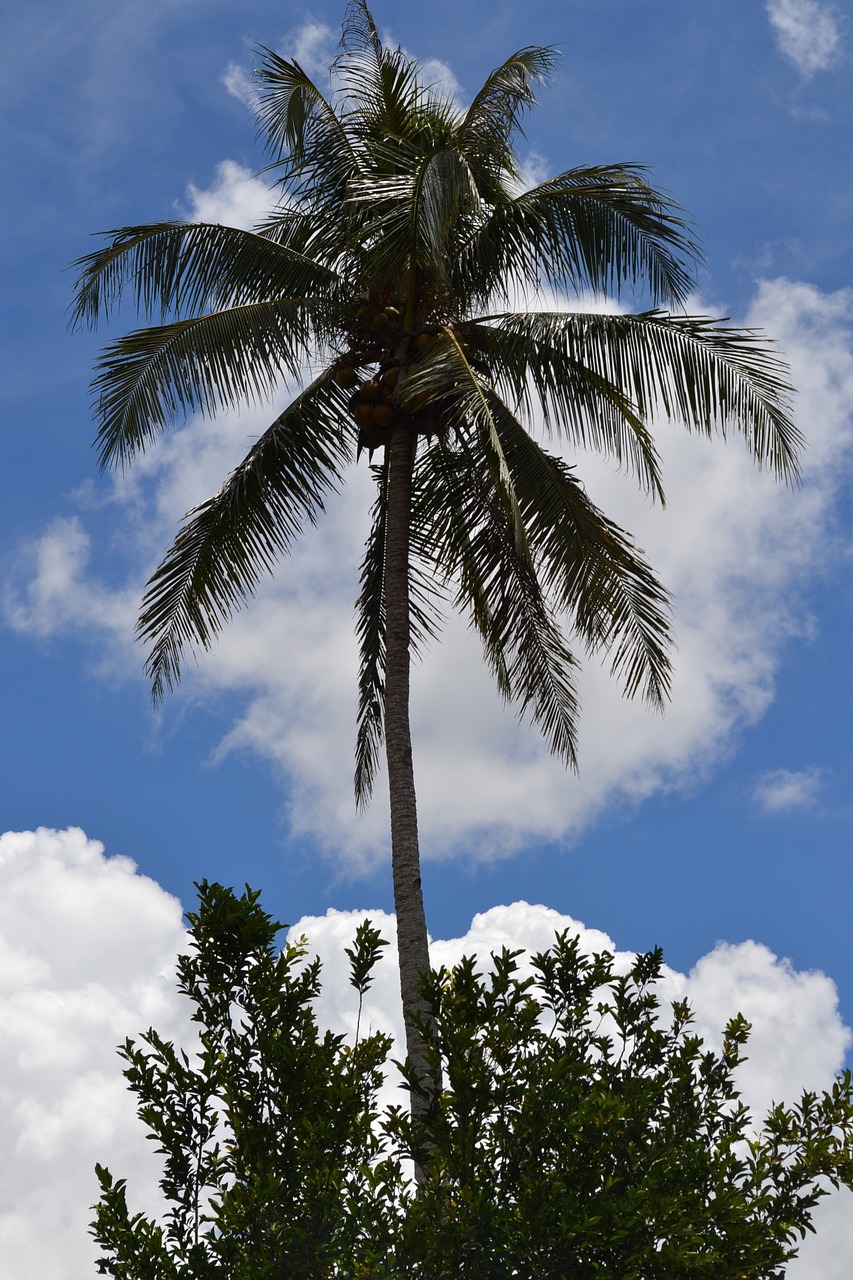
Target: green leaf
[(232, 539)]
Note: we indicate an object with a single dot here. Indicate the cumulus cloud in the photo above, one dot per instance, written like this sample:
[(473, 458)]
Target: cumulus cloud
[(440, 77), (485, 782), (87, 954), (237, 198), (487, 785), (807, 32), (782, 790)]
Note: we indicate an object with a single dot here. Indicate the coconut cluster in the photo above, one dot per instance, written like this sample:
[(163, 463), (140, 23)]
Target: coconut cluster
[(380, 339)]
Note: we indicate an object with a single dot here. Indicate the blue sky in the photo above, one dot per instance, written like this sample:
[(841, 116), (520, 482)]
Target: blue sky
[(728, 821)]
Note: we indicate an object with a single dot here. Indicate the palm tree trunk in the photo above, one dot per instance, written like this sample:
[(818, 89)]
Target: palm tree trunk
[(412, 946)]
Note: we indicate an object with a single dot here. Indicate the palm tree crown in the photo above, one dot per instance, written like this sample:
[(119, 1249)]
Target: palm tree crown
[(387, 279)]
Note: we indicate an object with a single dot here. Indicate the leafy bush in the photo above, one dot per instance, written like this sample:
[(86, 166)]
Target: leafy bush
[(578, 1133)]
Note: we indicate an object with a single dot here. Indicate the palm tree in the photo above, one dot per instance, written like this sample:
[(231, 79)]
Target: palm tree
[(387, 278)]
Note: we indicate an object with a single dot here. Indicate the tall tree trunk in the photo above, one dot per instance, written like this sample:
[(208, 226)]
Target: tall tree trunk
[(412, 946)]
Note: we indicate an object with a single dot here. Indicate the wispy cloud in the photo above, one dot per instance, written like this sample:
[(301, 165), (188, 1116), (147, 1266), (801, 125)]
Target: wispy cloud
[(52, 589), (87, 955), (782, 790), (807, 32), (313, 45)]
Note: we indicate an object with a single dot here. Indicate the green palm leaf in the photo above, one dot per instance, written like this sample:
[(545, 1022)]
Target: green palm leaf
[(690, 369), (546, 370), (425, 595), (589, 229), (484, 136), (359, 31), (370, 634), (218, 360), (230, 541), (463, 515), (306, 138), (180, 268), (588, 566)]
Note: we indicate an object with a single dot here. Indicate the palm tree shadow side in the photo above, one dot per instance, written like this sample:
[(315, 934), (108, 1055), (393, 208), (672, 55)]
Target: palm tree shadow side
[(388, 264)]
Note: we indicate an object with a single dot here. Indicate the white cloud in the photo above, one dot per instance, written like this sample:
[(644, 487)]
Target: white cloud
[(53, 590), (314, 46), (439, 76), (737, 550), (807, 32), (87, 953), (782, 790), (826, 1254), (237, 198), (239, 82), (482, 780), (798, 1040)]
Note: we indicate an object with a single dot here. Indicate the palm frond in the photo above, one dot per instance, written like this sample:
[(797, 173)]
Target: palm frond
[(370, 634), (425, 593), (588, 567), (359, 31), (707, 376), (484, 136), (539, 360), (234, 538), (498, 588), (411, 217), (589, 229), (441, 505), (306, 138), (384, 99), (445, 192), (445, 374), (693, 370), (223, 359), (180, 268)]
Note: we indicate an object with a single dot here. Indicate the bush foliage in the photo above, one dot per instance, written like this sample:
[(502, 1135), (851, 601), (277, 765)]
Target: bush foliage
[(581, 1130)]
